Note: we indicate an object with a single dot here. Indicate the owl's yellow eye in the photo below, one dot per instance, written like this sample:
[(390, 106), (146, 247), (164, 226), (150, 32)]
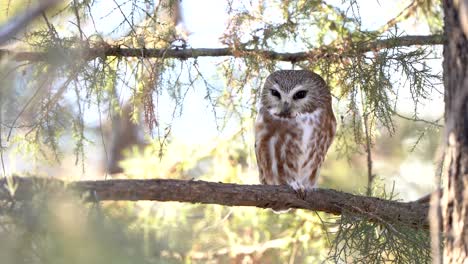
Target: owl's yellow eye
[(300, 95), (275, 93)]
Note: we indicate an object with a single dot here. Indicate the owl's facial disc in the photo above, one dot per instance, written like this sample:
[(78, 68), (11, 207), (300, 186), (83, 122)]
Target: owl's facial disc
[(287, 104)]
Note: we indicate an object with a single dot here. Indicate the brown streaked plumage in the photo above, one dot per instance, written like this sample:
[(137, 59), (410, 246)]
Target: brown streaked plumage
[(294, 128)]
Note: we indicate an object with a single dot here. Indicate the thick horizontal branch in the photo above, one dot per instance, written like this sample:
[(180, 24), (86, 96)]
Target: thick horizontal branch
[(263, 196), (327, 51)]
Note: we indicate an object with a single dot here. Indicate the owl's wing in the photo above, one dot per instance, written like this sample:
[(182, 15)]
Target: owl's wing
[(261, 174), (259, 126), (321, 139)]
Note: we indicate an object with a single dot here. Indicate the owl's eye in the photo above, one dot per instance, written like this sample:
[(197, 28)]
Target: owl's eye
[(300, 95), (275, 93)]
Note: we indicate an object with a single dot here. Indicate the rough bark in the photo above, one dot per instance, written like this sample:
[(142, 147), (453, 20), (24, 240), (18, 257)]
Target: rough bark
[(455, 197), (263, 196), (105, 50)]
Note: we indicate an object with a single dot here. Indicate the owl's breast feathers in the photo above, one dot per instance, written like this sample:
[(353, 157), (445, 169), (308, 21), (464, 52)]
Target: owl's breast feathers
[(291, 150)]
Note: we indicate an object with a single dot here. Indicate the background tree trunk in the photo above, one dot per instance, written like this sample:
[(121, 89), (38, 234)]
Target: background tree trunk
[(455, 198)]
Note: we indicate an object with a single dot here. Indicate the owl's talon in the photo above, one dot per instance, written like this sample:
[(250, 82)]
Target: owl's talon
[(301, 193)]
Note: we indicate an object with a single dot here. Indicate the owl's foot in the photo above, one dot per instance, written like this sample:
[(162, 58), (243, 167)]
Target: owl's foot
[(299, 189), (301, 193)]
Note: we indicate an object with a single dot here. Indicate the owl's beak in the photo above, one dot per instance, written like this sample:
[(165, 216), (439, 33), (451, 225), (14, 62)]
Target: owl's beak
[(285, 109)]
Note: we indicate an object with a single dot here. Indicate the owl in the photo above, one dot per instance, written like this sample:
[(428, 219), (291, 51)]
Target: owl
[(294, 128)]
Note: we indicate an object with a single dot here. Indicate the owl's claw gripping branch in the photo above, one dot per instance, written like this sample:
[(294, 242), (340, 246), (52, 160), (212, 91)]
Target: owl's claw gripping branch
[(301, 193), (265, 196)]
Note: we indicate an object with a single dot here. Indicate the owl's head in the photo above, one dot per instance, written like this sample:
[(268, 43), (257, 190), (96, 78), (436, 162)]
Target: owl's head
[(288, 93)]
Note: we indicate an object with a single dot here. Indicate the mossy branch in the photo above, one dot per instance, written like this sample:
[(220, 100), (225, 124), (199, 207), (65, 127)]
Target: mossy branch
[(348, 50), (264, 196)]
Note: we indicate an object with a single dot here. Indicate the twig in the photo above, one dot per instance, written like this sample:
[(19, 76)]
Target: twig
[(404, 14), (370, 175), (16, 24), (415, 119)]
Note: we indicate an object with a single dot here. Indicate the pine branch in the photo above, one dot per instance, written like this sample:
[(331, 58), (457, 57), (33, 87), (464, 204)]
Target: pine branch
[(263, 196), (348, 50)]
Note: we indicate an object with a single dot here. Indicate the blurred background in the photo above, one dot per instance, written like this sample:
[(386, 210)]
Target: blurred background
[(74, 116)]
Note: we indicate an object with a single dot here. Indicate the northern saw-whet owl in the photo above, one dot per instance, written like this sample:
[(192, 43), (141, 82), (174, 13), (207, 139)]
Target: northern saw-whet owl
[(294, 128)]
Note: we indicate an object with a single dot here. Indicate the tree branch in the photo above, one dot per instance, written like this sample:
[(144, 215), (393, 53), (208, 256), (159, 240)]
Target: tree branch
[(105, 50), (263, 196)]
